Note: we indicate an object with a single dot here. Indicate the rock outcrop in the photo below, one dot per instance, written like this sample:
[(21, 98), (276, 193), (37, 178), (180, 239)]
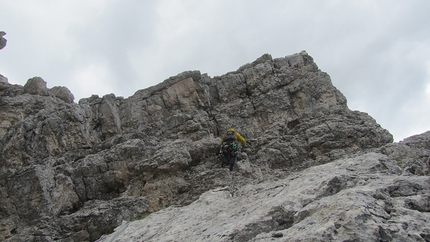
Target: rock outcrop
[(37, 86), (3, 41), (75, 171)]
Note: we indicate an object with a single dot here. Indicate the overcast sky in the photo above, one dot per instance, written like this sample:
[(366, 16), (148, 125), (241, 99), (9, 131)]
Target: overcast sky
[(377, 52)]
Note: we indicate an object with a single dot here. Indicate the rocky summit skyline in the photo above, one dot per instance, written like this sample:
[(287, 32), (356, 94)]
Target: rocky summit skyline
[(146, 167)]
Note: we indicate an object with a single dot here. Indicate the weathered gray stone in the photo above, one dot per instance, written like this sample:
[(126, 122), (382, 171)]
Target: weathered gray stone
[(3, 79), (363, 198), (68, 161), (62, 93), (3, 41), (36, 86), (412, 153)]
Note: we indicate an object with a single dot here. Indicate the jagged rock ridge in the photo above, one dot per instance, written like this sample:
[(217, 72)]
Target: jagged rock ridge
[(77, 170)]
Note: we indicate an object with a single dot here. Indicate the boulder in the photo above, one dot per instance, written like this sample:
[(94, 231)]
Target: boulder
[(62, 93), (3, 41), (36, 86)]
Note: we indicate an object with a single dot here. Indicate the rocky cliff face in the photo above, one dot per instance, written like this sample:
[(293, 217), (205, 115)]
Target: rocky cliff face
[(75, 171)]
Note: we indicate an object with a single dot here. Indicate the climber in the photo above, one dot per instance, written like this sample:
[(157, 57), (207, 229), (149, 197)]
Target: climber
[(230, 147)]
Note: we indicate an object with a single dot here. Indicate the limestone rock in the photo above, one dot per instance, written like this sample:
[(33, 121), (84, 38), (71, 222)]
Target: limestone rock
[(62, 93), (36, 86), (107, 159), (3, 79), (412, 154), (363, 198), (3, 41)]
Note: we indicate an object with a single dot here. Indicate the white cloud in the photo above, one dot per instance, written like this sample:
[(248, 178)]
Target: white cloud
[(418, 117), (92, 79)]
